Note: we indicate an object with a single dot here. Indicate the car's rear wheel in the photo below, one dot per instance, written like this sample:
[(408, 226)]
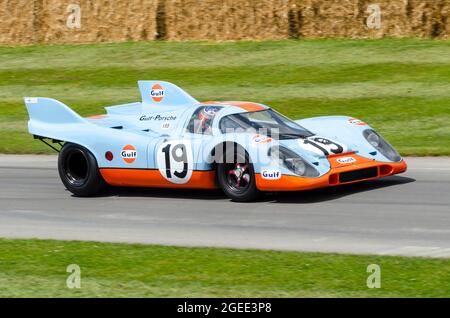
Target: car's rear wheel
[(79, 172), (237, 178)]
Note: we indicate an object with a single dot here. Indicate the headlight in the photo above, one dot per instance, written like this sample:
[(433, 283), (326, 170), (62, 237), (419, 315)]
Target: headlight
[(381, 145), (293, 162), (373, 139), (296, 165)]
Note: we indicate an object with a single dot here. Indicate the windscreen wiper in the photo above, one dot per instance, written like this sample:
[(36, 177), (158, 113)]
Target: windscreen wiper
[(295, 135)]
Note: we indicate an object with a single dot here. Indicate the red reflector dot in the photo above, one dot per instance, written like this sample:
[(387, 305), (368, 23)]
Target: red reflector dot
[(109, 155)]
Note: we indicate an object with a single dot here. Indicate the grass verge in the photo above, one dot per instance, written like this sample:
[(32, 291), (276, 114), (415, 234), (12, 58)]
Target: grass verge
[(400, 86), (37, 268)]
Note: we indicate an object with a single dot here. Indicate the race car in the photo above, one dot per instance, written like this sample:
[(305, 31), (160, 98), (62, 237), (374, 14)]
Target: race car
[(171, 140)]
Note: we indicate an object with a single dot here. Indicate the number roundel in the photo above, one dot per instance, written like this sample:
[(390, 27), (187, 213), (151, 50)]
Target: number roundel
[(175, 161), (322, 146)]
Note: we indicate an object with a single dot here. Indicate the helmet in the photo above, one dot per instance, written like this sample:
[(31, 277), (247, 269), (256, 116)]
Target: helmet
[(206, 115)]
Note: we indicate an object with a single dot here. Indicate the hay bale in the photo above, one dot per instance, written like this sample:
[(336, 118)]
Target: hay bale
[(17, 23), (44, 21), (445, 18), (226, 19), (347, 18), (101, 21), (332, 18), (344, 18)]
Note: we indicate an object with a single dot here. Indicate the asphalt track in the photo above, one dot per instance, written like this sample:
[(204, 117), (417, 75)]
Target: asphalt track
[(407, 214)]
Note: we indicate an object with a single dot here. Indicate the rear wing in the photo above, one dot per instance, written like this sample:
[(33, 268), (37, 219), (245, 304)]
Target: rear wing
[(51, 119), (160, 93), (51, 111), (154, 95)]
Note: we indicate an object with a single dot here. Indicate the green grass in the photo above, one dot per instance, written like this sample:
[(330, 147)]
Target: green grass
[(400, 86), (37, 268)]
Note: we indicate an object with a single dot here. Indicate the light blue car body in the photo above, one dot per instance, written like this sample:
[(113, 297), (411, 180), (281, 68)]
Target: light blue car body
[(146, 125)]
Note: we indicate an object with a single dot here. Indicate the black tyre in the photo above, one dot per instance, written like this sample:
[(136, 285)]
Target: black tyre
[(79, 172), (237, 178)]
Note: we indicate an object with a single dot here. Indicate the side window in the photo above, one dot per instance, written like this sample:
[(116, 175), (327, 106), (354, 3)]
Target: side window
[(235, 122), (202, 119)]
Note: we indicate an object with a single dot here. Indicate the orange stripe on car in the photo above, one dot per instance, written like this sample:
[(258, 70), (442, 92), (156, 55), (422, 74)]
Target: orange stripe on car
[(293, 183), (248, 106), (207, 179), (97, 117), (153, 178)]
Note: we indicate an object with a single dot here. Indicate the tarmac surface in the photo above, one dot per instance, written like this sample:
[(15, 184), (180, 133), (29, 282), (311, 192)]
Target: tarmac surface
[(408, 214)]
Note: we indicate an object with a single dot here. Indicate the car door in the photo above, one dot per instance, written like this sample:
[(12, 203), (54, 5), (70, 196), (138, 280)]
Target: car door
[(177, 156)]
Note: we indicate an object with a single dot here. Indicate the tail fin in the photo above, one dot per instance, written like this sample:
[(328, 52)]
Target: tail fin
[(50, 118), (159, 93), (51, 111)]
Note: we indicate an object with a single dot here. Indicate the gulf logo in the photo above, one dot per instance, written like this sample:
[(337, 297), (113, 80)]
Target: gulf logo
[(356, 122), (346, 160), (129, 154), (271, 174), (157, 93), (261, 139)]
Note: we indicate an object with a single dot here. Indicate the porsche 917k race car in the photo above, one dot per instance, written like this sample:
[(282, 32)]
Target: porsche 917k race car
[(171, 140)]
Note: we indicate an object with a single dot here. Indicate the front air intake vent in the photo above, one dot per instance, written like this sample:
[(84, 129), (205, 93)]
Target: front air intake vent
[(356, 175)]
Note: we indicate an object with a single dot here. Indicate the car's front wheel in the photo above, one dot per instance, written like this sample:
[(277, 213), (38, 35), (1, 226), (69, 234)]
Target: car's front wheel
[(237, 178), (79, 172)]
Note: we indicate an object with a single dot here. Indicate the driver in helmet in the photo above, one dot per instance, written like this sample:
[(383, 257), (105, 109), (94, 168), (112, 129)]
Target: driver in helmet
[(205, 118)]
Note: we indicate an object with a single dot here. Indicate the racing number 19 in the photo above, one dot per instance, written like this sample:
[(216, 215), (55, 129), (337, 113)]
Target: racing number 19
[(172, 154)]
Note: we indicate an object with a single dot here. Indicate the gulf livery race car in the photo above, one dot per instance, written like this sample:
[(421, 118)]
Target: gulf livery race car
[(171, 140)]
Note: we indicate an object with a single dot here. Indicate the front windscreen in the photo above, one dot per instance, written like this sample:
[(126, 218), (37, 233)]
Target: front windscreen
[(267, 122)]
